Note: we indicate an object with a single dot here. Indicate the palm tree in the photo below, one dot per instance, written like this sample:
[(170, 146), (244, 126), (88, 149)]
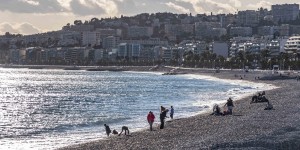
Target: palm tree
[(265, 58)]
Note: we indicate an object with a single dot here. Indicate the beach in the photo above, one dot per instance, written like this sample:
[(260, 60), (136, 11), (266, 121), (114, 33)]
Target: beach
[(250, 126)]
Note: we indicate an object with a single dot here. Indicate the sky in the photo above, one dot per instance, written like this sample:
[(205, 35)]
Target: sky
[(36, 16)]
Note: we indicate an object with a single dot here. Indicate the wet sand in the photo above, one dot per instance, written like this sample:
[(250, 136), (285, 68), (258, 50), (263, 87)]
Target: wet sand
[(250, 126)]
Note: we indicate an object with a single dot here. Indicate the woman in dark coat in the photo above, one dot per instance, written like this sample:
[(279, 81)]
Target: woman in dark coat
[(162, 116)]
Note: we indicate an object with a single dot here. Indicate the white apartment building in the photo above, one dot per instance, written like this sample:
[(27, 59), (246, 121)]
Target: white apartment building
[(103, 33), (37, 38), (110, 42), (292, 45), (69, 38), (90, 38)]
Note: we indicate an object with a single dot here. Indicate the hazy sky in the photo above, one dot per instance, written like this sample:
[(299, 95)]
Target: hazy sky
[(33, 16)]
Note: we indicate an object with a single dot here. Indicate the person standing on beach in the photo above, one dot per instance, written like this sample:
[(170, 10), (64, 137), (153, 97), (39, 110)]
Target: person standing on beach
[(163, 115), (171, 112), (229, 105), (150, 119), (107, 129)]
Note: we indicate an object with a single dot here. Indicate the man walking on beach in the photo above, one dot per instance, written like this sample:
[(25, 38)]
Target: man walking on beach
[(171, 112), (107, 129), (150, 119)]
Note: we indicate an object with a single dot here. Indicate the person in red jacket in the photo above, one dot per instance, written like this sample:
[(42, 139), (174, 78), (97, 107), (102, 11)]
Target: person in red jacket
[(150, 119)]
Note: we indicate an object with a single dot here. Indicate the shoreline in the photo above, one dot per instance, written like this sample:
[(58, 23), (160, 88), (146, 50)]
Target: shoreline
[(249, 127)]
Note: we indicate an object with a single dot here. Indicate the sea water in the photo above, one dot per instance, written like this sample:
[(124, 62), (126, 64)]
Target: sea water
[(48, 109)]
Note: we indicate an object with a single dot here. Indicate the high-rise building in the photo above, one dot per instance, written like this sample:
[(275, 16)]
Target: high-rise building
[(110, 42), (248, 18), (90, 38), (285, 12), (131, 51)]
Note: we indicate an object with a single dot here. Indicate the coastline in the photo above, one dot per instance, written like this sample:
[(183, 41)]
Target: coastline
[(250, 127)]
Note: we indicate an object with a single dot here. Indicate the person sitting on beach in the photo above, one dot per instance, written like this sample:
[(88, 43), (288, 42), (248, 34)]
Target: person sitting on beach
[(230, 106), (107, 129), (217, 110), (269, 106), (124, 128), (114, 132)]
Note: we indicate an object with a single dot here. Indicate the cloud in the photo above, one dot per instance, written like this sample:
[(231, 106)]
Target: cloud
[(6, 27), (31, 6), (23, 28), (178, 8), (27, 28), (235, 3), (264, 4), (65, 3), (31, 2), (94, 7), (206, 6), (131, 6)]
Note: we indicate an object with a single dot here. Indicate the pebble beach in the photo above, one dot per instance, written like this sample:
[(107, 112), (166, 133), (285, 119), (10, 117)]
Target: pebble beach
[(250, 126)]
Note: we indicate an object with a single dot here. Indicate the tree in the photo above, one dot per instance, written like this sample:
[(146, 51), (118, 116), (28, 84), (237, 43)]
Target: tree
[(78, 22), (94, 20), (264, 58)]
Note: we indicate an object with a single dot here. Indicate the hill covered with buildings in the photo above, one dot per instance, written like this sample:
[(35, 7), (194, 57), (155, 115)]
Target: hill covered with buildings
[(256, 38)]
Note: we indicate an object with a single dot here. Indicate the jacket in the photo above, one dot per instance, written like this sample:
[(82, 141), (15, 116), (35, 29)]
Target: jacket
[(151, 117)]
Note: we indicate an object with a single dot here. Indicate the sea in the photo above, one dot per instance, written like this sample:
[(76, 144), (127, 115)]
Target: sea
[(49, 109)]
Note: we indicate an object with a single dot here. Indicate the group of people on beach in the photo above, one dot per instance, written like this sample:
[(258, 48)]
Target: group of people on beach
[(217, 109), (255, 99), (150, 119), (115, 132), (162, 116)]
